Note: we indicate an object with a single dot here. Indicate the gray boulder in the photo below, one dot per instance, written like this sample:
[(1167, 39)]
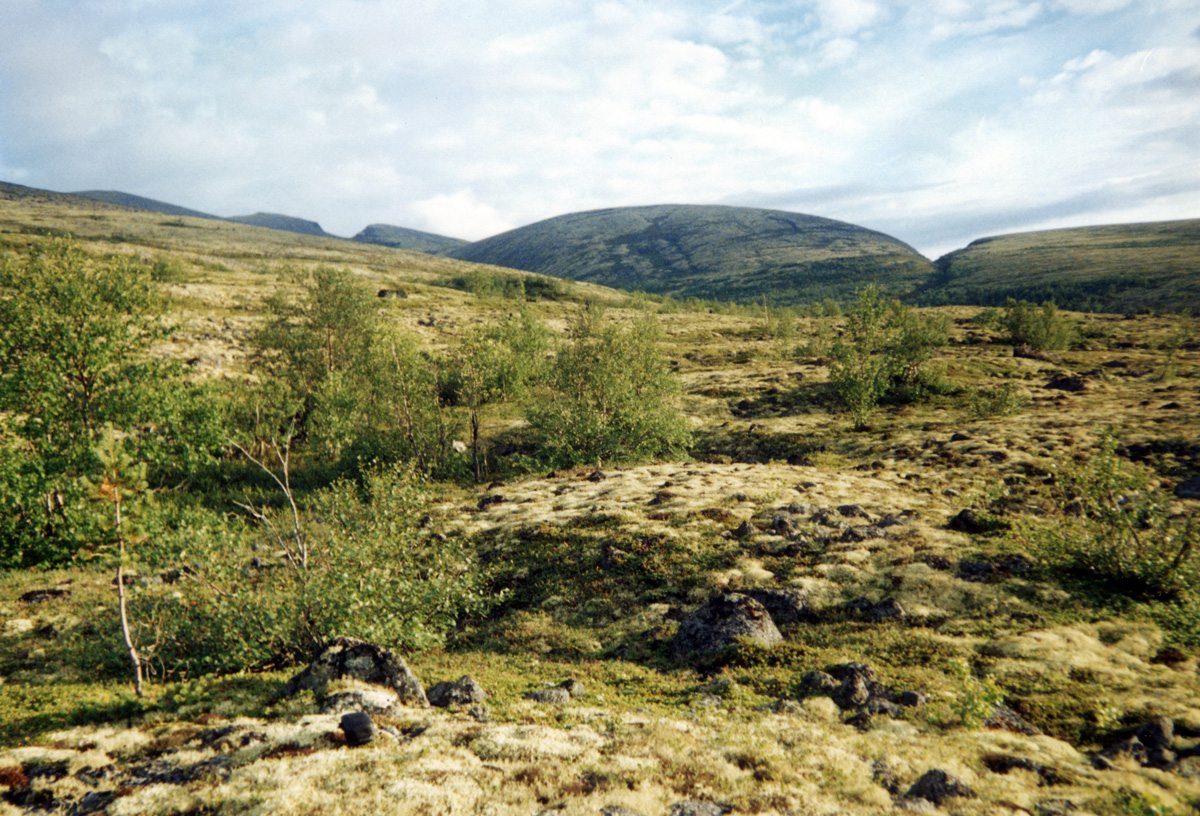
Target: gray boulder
[(784, 605), (937, 786), (375, 701), (725, 621), (463, 691), (347, 657)]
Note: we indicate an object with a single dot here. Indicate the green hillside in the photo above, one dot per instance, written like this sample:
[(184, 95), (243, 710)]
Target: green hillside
[(1118, 268), (727, 253), (286, 223), (404, 238), (140, 203)]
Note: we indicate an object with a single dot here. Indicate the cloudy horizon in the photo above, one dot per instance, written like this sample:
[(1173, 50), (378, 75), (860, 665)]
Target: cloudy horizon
[(937, 122)]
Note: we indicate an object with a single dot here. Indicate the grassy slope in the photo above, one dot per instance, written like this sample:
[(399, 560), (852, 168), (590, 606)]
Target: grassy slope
[(730, 253), (404, 238), (140, 203), (604, 570), (1120, 268)]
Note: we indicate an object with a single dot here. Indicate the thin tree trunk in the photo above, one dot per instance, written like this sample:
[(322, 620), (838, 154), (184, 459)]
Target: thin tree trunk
[(135, 661)]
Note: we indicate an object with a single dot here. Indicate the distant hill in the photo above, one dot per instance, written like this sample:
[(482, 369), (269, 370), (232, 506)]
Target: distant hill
[(140, 203), (1119, 268), (404, 238), (727, 253), (286, 223)]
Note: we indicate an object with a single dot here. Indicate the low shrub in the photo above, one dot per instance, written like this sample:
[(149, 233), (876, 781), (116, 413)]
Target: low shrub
[(1039, 327), (1113, 524)]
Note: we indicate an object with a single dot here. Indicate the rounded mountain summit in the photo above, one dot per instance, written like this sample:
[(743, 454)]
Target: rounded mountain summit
[(712, 252)]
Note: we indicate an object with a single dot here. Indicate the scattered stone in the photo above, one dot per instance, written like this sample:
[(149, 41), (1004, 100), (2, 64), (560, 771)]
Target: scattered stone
[(1189, 489), (725, 621), (596, 476), (912, 699), (784, 605), (488, 501), (887, 609), (852, 511), (698, 807), (782, 525), (967, 521), (818, 682), (852, 693), (1067, 382), (1003, 764), (877, 706), (378, 701), (745, 530), (358, 728), (551, 696), (1004, 718), (463, 691), (857, 535), (976, 572), (480, 713), (937, 786), (39, 595), (863, 720), (1055, 807), (959, 436), (882, 776), (783, 707), (347, 657), (618, 810), (392, 293), (572, 687)]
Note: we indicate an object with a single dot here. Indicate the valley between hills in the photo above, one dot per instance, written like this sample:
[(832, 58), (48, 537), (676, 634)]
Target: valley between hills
[(938, 649)]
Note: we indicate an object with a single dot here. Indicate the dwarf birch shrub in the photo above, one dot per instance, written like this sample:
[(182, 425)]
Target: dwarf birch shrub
[(358, 562), (1039, 327), (77, 335), (884, 352), (1114, 525), (609, 397)]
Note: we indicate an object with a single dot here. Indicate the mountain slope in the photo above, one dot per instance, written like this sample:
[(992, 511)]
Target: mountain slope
[(140, 203), (1116, 268), (404, 238), (729, 253), (286, 223)]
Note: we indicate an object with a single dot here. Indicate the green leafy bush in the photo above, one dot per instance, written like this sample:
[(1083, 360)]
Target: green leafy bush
[(884, 353), (1002, 400), (1039, 327), (369, 570), (311, 354), (610, 397), (1114, 525), (76, 340), (493, 364)]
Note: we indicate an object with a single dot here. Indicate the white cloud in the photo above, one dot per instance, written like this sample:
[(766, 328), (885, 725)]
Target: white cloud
[(351, 112), (461, 215)]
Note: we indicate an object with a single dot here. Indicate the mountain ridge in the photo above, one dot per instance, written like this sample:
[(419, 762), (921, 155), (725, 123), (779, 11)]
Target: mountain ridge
[(709, 251)]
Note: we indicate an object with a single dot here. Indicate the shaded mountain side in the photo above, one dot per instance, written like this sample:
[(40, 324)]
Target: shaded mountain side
[(730, 253), (404, 238), (141, 203), (286, 223), (1117, 268)]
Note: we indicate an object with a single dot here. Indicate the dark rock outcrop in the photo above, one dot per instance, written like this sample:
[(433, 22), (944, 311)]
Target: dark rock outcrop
[(725, 621), (347, 657), (937, 786)]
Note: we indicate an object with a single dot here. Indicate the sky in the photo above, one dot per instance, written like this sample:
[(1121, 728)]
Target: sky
[(935, 121)]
